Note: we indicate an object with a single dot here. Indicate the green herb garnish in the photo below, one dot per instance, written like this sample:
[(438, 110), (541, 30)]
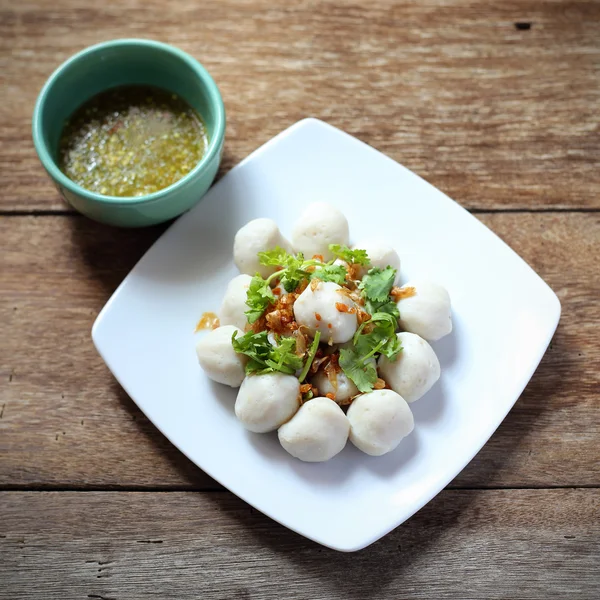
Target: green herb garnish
[(357, 257), (376, 286), (292, 267), (358, 361), (361, 371), (335, 273), (375, 336), (258, 298), (266, 357), (293, 270)]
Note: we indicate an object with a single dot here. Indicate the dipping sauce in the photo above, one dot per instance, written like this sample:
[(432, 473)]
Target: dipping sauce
[(131, 141), (209, 320)]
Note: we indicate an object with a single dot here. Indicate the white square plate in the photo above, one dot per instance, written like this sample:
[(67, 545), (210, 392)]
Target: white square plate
[(504, 317)]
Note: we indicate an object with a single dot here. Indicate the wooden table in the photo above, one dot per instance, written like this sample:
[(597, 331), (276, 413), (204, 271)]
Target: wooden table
[(495, 103)]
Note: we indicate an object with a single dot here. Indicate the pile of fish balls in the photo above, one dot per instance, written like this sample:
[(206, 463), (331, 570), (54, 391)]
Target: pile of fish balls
[(318, 429)]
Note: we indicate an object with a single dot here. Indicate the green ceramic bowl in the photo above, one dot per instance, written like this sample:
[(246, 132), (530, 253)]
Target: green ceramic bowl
[(129, 62)]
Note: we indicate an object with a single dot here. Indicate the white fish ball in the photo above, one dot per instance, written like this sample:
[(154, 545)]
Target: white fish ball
[(414, 371), (318, 226), (316, 309), (257, 236), (379, 420), (317, 432), (381, 255), (265, 402), (218, 358), (427, 313), (234, 307), (338, 384)]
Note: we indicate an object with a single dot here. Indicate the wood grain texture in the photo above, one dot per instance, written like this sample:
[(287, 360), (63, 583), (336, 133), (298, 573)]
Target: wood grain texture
[(66, 422), (518, 544), (493, 115)]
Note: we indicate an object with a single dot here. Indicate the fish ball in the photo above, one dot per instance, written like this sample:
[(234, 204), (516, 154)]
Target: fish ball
[(380, 255), (218, 358), (265, 402), (234, 307), (379, 420), (318, 226), (414, 371), (317, 432), (317, 308), (427, 313), (257, 236), (338, 384)]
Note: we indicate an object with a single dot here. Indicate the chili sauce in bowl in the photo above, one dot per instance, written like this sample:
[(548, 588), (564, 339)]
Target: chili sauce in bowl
[(131, 140)]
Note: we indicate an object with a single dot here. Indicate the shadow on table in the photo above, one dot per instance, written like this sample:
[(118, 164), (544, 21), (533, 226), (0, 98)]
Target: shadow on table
[(503, 459), (191, 476), (357, 575), (109, 253)]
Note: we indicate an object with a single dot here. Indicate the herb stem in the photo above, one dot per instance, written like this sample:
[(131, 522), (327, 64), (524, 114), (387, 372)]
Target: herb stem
[(311, 356)]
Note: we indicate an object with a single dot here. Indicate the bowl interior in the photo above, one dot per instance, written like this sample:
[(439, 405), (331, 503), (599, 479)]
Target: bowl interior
[(134, 62)]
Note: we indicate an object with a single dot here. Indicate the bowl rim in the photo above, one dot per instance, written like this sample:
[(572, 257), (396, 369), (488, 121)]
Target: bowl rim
[(200, 71)]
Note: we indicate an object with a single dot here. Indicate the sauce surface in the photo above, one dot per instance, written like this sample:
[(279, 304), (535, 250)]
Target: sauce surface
[(208, 320), (131, 141)]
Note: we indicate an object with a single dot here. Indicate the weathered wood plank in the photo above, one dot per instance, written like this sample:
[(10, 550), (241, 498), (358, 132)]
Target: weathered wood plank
[(493, 115), (66, 422), (518, 544)]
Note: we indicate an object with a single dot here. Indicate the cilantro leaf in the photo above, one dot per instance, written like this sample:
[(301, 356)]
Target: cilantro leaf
[(357, 256), (389, 307), (392, 348), (264, 357), (277, 257), (292, 278), (258, 298), (375, 336), (254, 345), (380, 339), (293, 267), (283, 356), (335, 273), (362, 372), (388, 343), (377, 284)]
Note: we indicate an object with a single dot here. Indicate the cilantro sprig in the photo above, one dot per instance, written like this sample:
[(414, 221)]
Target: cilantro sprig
[(265, 357), (281, 357), (376, 286), (357, 256), (290, 274), (258, 298), (377, 283), (361, 371), (292, 270), (335, 273), (375, 336)]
